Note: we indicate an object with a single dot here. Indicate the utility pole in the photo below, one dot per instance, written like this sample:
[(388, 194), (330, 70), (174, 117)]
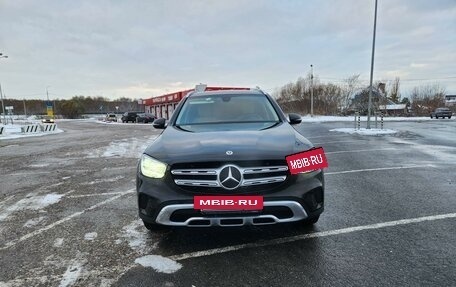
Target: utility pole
[(1, 93), (372, 70), (25, 110), (3, 105), (311, 92)]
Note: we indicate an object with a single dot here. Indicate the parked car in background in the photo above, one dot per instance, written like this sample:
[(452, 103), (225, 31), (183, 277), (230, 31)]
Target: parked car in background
[(111, 118), (145, 118), (441, 113), (129, 117), (48, 120)]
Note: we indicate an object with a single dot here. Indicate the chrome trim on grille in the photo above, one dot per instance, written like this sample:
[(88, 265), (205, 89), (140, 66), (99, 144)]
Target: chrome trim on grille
[(216, 172), (195, 182), (164, 216), (254, 170), (264, 180), (194, 171)]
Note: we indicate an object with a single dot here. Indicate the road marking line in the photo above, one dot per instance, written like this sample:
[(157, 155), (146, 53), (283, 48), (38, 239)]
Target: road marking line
[(380, 168), (93, 194), (63, 220), (30, 173), (360, 150), (310, 235), (358, 141)]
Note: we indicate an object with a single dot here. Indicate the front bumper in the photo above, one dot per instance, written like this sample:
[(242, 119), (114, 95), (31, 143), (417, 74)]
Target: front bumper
[(302, 197)]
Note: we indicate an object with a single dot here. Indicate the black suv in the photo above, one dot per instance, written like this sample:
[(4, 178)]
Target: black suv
[(226, 143), (129, 117)]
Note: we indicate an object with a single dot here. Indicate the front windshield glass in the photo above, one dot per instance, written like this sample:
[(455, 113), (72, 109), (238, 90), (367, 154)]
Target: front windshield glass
[(227, 112)]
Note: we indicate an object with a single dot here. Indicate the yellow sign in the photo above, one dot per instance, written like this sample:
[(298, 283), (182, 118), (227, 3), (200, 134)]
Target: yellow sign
[(50, 111)]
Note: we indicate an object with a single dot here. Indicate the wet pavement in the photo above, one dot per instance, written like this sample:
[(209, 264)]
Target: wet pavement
[(68, 215)]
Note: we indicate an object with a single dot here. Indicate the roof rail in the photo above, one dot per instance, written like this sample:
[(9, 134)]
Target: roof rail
[(200, 87), (260, 90)]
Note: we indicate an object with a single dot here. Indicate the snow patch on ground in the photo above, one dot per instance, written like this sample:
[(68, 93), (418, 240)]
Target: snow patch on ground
[(14, 132), (31, 202), (39, 165), (58, 242), (363, 131), (320, 119), (90, 236), (126, 148), (137, 237), (159, 263), (73, 272), (34, 221), (114, 179)]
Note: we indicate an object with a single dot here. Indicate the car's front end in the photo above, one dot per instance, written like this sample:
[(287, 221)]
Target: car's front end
[(233, 159), (48, 120)]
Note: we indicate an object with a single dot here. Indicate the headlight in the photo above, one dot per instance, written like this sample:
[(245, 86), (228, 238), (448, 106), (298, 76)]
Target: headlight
[(151, 167)]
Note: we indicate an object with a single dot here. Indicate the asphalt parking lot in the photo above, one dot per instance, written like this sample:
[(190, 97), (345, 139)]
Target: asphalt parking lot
[(68, 215)]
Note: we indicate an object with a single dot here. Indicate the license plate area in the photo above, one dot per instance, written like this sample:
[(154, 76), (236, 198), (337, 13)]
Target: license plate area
[(212, 204)]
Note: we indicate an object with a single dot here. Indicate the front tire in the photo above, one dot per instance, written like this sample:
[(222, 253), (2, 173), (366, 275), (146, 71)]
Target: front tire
[(154, 226), (310, 221)]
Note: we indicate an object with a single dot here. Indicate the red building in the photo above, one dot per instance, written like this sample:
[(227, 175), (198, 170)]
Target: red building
[(164, 106)]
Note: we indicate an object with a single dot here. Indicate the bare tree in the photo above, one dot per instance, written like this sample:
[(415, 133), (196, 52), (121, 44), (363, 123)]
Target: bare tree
[(427, 98), (393, 92), (352, 84)]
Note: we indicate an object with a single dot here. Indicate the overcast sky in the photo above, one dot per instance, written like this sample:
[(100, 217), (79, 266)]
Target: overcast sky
[(141, 49)]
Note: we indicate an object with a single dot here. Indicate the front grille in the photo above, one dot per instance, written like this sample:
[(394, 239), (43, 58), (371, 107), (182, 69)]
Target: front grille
[(241, 176)]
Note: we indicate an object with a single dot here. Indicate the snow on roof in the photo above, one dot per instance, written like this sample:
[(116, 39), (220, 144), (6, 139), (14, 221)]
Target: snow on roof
[(392, 107)]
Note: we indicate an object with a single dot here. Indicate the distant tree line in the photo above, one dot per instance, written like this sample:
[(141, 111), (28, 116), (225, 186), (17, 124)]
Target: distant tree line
[(335, 99), (74, 107)]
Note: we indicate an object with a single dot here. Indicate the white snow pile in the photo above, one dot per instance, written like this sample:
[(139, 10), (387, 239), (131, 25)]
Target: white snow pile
[(136, 237), (363, 131), (320, 119), (34, 221), (126, 148), (58, 242), (73, 271), (31, 202), (159, 263), (14, 132), (90, 236)]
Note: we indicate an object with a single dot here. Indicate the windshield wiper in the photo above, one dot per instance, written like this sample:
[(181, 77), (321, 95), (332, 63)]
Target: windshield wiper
[(182, 129), (271, 126)]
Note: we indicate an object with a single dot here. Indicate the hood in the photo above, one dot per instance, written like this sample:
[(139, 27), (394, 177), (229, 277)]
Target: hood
[(175, 145)]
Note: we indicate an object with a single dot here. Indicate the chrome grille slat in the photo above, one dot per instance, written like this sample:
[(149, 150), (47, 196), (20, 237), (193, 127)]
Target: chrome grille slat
[(264, 180), (196, 182), (214, 172), (254, 170), (198, 171)]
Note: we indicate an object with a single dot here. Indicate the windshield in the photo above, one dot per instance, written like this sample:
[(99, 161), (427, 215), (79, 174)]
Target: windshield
[(227, 112)]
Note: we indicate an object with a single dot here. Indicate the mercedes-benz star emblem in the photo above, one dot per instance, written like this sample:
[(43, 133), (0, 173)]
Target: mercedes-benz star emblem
[(229, 152), (230, 177)]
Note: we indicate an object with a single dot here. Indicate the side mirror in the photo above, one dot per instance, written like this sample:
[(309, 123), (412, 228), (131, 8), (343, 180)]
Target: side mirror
[(160, 123), (294, 119)]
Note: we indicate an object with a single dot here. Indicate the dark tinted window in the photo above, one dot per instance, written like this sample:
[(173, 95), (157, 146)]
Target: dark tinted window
[(226, 109)]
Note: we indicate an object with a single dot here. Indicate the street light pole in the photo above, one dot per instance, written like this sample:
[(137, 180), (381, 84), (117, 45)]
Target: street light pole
[(1, 93), (25, 110), (311, 92), (47, 93), (372, 70), (3, 105)]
